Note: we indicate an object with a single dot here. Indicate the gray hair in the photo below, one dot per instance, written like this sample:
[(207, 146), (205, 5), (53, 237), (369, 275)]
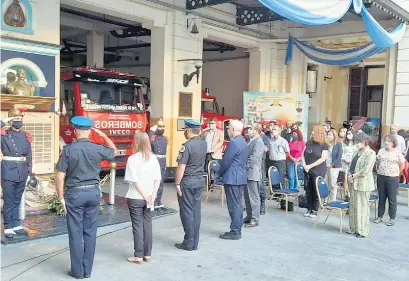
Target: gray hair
[(236, 125), (362, 137), (257, 127)]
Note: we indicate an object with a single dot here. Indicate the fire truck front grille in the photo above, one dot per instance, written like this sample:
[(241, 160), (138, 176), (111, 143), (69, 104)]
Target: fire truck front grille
[(123, 145)]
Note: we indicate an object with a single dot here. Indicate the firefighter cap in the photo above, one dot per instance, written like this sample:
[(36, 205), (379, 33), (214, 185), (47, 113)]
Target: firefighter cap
[(160, 123), (189, 123), (16, 112), (82, 122)]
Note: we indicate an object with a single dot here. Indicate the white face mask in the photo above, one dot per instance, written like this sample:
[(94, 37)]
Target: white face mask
[(212, 126), (388, 144), (349, 137), (275, 133)]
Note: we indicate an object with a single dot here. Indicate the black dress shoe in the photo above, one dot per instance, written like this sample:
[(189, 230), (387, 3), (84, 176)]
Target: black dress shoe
[(252, 223), (182, 246), (247, 220), (76, 277), (21, 232), (230, 236)]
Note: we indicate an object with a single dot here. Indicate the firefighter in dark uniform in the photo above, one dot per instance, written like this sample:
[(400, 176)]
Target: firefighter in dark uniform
[(159, 144), (15, 170), (190, 184), (79, 163)]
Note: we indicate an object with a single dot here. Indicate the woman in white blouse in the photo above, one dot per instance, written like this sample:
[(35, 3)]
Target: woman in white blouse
[(143, 175)]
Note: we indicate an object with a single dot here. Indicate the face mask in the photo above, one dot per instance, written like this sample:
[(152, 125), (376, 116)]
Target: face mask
[(349, 137), (295, 137), (394, 132), (341, 134), (212, 126), (359, 145), (250, 133), (17, 124), (388, 144), (275, 133), (160, 132)]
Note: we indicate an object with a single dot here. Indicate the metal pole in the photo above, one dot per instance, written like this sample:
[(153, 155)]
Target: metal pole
[(22, 209), (112, 183)]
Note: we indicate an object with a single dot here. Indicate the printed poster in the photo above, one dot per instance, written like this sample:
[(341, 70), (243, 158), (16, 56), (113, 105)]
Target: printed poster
[(279, 107)]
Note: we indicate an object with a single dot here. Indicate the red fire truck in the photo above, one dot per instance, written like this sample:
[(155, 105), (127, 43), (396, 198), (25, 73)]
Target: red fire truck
[(211, 109), (116, 102)]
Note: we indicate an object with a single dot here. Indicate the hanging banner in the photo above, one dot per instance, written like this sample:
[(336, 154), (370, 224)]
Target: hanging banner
[(278, 107)]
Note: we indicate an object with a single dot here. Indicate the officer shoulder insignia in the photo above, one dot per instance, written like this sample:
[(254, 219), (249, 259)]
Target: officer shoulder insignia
[(29, 137), (182, 149)]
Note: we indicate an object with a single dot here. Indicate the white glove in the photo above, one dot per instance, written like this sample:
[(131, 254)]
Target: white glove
[(154, 128)]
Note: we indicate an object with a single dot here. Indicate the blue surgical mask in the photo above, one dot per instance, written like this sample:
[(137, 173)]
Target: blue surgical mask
[(17, 124), (295, 137)]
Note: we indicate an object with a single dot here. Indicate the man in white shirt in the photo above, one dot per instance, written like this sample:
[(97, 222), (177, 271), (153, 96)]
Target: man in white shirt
[(214, 139)]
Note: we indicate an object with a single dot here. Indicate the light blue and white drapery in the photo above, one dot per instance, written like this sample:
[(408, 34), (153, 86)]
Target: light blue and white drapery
[(329, 56), (322, 12)]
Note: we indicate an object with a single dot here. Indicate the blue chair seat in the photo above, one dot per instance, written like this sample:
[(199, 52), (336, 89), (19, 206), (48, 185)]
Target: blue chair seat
[(337, 204), (403, 185), (218, 182), (373, 197), (286, 191)]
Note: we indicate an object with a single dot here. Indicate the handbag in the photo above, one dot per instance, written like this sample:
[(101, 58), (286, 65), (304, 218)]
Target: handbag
[(290, 205)]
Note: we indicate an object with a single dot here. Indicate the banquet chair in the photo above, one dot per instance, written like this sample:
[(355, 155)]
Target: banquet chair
[(323, 193), (214, 181), (274, 179)]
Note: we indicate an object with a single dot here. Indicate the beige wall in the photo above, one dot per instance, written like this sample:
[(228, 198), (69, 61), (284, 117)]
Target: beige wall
[(227, 80)]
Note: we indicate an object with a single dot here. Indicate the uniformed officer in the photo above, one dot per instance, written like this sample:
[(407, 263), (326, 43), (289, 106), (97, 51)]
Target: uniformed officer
[(159, 144), (79, 163), (190, 184), (15, 169)]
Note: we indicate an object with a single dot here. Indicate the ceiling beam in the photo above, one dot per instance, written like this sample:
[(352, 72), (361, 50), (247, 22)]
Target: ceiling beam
[(254, 15), (196, 4)]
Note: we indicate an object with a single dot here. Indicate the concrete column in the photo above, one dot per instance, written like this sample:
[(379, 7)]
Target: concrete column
[(296, 73), (95, 48), (259, 68), (401, 107), (170, 44), (389, 88)]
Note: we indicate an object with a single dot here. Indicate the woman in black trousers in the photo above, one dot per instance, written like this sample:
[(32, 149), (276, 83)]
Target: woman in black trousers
[(143, 174), (390, 163), (313, 160)]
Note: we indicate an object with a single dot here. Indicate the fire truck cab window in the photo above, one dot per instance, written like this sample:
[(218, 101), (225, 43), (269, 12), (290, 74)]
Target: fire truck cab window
[(111, 97)]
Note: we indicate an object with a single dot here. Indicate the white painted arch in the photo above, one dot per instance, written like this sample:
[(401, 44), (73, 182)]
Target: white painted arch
[(41, 81)]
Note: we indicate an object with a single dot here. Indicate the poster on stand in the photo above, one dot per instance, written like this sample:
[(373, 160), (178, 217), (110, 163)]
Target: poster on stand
[(370, 126), (278, 107)]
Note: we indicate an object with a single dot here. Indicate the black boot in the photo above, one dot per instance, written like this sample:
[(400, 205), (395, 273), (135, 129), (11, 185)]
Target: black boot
[(263, 207)]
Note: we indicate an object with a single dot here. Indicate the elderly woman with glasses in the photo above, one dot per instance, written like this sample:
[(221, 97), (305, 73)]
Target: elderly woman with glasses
[(361, 185)]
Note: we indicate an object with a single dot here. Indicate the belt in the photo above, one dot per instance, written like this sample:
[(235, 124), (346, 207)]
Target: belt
[(84, 186), (17, 158), (160, 156)]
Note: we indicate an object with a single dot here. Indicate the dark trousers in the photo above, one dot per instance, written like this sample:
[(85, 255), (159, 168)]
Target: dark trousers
[(141, 218), (282, 168), (234, 199), (311, 191), (158, 200), (190, 208), (82, 214), (387, 189), (207, 160), (263, 194), (12, 192)]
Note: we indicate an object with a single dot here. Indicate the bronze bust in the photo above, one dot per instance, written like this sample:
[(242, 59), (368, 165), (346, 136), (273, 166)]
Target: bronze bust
[(21, 87)]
